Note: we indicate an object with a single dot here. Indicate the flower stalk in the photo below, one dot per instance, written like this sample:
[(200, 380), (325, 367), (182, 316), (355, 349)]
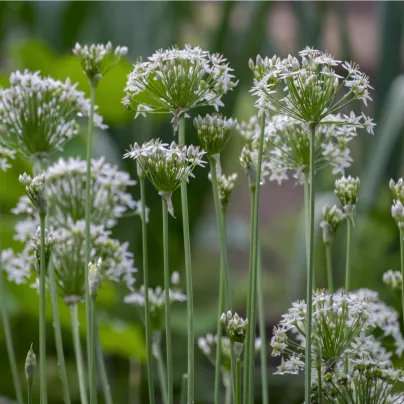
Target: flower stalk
[(30, 366), (102, 371), (188, 272), (167, 303), (402, 267), (161, 370), (42, 312), (348, 256), (149, 353), (330, 282)]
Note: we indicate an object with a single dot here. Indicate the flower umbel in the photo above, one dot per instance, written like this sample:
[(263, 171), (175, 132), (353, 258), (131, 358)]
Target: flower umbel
[(97, 59), (36, 247), (35, 190), (213, 132), (176, 80), (39, 115), (332, 217), (346, 189)]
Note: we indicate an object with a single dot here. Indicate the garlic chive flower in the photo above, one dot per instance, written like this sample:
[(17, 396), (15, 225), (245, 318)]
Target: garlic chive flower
[(36, 247), (156, 300), (94, 276), (226, 185), (213, 132), (365, 383), (166, 166), (5, 156), (97, 59), (393, 279), (35, 190), (338, 323), (207, 345), (39, 115), (347, 189), (332, 217), (235, 325), (176, 80), (15, 265), (66, 192), (397, 208), (309, 90)]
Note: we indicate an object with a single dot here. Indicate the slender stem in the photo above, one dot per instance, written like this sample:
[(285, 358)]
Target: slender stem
[(184, 388), (330, 281), (160, 366), (228, 389), (254, 268), (310, 270), (218, 363), (9, 338), (81, 371), (238, 381), (224, 270), (150, 378), (307, 219), (58, 334), (93, 386), (402, 268), (320, 387), (247, 340), (188, 272), (102, 371), (261, 319), (348, 255), (88, 220), (167, 303), (134, 380), (42, 314), (29, 393)]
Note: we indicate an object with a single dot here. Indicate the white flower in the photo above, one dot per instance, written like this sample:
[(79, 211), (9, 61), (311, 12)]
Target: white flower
[(393, 279), (5, 156), (176, 80), (98, 59), (39, 115), (332, 217)]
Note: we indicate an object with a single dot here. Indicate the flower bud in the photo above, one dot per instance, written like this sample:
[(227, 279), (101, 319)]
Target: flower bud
[(94, 277), (30, 365)]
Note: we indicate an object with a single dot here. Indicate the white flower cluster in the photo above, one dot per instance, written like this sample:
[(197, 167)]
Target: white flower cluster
[(157, 300), (226, 185), (214, 132), (287, 147), (66, 193), (365, 383), (397, 208), (5, 156), (310, 89), (35, 190), (347, 190), (235, 325), (208, 345), (166, 166), (332, 217), (176, 80), (38, 115), (97, 59), (36, 247), (394, 279), (338, 322)]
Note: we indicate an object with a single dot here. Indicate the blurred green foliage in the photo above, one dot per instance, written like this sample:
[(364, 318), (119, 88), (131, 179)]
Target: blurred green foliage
[(40, 35)]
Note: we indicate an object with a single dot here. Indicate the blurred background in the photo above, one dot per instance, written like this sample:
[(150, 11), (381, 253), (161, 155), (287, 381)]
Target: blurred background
[(40, 36)]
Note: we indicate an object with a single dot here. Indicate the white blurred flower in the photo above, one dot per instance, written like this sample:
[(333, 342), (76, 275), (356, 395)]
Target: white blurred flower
[(5, 156)]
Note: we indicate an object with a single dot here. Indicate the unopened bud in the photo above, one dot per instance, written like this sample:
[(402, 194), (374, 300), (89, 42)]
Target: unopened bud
[(94, 277), (30, 365)]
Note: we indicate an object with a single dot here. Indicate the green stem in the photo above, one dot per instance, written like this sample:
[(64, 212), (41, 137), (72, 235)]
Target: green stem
[(81, 372), (29, 393), (319, 376), (224, 268), (58, 334), (310, 270), (402, 268), (88, 221), (42, 314), (102, 371), (93, 386), (188, 272), (228, 389), (9, 338), (167, 303), (184, 388), (238, 381), (307, 220), (254, 268), (348, 255), (160, 366), (134, 380), (150, 378), (261, 319), (330, 281), (247, 340)]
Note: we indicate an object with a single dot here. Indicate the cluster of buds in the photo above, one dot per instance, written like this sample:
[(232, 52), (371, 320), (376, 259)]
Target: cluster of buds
[(97, 59), (36, 246), (236, 328), (332, 217), (94, 277), (214, 132), (397, 208), (226, 185), (346, 189), (393, 279), (30, 366), (35, 190)]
